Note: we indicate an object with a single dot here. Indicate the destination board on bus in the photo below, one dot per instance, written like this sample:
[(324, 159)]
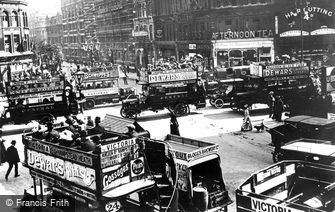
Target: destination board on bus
[(116, 152), (101, 75), (172, 75), (33, 86)]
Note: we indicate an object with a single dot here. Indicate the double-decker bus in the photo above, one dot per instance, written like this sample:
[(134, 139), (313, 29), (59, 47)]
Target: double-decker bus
[(100, 87)]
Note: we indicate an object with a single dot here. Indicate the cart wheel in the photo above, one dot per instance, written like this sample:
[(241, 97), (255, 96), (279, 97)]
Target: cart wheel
[(131, 114), (89, 104), (277, 156), (219, 103)]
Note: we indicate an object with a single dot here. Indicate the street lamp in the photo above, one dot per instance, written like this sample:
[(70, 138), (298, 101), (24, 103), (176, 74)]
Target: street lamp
[(79, 79)]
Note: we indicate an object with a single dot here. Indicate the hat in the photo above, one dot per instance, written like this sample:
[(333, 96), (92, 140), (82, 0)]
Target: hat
[(131, 126), (13, 142), (97, 119), (271, 92)]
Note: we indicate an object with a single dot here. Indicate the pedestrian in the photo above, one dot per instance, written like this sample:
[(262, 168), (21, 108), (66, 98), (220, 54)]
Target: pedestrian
[(174, 126), (2, 151), (98, 128), (90, 122), (12, 157), (125, 76), (278, 108), (246, 126), (270, 103), (131, 131)]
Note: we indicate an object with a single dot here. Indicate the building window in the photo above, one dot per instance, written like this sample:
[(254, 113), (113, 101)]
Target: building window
[(5, 19), (15, 19), (16, 42), (8, 46)]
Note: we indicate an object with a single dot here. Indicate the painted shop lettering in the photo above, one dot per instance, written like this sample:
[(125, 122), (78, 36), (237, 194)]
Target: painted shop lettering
[(311, 10), (242, 34)]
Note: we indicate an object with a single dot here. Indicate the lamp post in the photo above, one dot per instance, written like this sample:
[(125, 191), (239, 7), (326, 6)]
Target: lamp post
[(79, 79)]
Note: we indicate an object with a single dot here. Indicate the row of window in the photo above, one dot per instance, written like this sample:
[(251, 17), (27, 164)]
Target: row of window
[(165, 7), (202, 30), (13, 43), (13, 19)]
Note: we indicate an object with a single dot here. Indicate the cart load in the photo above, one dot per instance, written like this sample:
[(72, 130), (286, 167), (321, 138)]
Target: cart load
[(288, 186)]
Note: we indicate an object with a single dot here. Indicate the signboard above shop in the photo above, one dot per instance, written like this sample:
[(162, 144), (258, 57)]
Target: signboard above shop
[(314, 17), (172, 75)]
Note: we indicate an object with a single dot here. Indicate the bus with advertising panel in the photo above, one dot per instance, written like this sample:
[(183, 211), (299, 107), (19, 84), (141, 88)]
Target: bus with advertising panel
[(172, 89), (113, 176), (40, 99), (100, 87)]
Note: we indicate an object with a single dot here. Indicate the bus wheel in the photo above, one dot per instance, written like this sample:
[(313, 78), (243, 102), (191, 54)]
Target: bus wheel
[(180, 109), (131, 114), (89, 104), (219, 103)]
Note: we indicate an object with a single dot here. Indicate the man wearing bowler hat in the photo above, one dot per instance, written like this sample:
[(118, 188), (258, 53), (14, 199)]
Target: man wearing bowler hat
[(12, 157)]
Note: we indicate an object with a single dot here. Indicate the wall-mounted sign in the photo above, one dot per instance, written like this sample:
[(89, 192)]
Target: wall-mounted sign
[(67, 170), (175, 75), (192, 46), (140, 33), (323, 31), (228, 35), (293, 33), (317, 14)]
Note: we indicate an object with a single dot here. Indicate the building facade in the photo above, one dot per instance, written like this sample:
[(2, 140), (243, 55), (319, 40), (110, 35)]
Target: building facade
[(225, 32), (306, 29), (143, 33), (15, 52), (55, 29), (38, 27), (80, 42), (114, 30)]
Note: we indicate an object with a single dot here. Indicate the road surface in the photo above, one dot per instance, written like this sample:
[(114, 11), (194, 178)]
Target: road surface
[(242, 153)]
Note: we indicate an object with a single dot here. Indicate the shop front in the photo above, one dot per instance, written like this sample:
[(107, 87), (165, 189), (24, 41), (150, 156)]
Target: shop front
[(307, 30), (238, 48)]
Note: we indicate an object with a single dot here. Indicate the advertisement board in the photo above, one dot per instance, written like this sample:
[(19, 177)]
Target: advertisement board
[(285, 71), (114, 178), (101, 75), (35, 86), (172, 75), (117, 152), (60, 168)]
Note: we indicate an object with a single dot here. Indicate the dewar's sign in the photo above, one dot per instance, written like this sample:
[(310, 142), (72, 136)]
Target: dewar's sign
[(171, 76)]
